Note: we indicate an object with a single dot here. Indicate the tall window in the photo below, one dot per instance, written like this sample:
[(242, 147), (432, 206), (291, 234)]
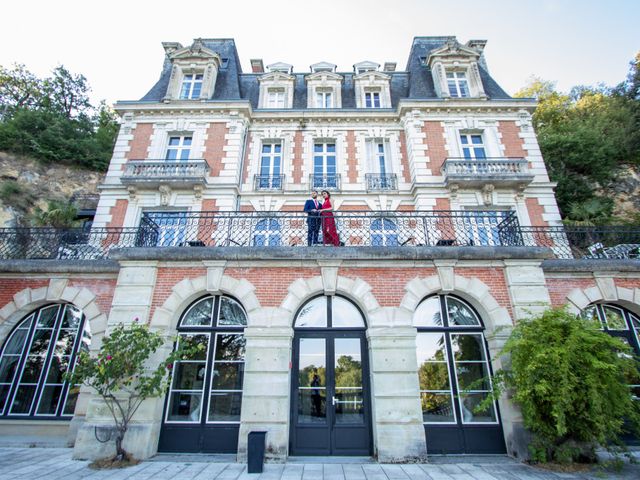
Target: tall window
[(270, 166), (472, 146), (206, 387), (324, 166), (482, 227), (275, 98), (267, 233), (324, 98), (191, 86), (372, 99), (384, 233), (170, 228), (377, 156), (452, 363), (457, 84), (34, 359), (179, 148)]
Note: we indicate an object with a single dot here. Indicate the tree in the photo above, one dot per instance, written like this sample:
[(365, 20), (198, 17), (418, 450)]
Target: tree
[(19, 88), (570, 380), (66, 93), (121, 373), (58, 214)]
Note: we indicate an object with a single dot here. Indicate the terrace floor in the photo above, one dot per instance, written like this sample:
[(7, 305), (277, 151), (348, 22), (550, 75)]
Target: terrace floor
[(56, 464)]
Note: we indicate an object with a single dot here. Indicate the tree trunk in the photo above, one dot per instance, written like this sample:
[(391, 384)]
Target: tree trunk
[(121, 453)]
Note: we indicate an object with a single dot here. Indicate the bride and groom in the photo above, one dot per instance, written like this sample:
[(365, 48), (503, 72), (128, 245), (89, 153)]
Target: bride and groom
[(320, 215)]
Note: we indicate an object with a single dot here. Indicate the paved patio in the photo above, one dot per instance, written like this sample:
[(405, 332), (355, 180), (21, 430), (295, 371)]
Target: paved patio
[(56, 464)]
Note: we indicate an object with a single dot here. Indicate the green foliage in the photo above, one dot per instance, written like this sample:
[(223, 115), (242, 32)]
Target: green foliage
[(122, 374), (570, 380), (52, 120), (586, 136), (58, 214), (594, 211)]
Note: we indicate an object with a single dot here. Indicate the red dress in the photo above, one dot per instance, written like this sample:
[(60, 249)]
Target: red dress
[(329, 232)]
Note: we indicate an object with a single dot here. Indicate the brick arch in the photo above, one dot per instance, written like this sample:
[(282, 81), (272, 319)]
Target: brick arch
[(358, 291), (188, 290), (57, 291), (474, 291), (604, 292)]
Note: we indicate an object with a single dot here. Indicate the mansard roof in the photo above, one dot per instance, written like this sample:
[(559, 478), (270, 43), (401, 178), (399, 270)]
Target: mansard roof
[(415, 83)]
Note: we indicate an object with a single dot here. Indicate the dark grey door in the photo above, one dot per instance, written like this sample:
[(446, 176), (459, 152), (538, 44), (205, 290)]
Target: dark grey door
[(330, 394)]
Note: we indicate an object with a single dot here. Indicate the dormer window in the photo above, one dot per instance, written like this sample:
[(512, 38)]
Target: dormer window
[(324, 98), (323, 67), (276, 90), (275, 98), (366, 66), (191, 86), (280, 67), (457, 84), (371, 98)]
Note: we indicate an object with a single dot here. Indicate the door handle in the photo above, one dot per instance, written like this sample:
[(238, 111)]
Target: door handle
[(334, 401)]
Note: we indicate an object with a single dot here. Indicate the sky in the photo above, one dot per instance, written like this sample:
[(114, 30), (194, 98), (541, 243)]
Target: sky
[(116, 44)]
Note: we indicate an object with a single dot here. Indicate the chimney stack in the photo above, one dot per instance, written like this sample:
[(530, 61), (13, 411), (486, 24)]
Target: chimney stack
[(389, 66), (257, 66)]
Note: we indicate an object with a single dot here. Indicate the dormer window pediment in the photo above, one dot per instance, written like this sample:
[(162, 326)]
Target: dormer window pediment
[(324, 76), (372, 90), (276, 90), (366, 66), (276, 76), (194, 72), (324, 89), (323, 67), (280, 67)]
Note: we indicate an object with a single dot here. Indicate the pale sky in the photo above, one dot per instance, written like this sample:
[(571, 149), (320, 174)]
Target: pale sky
[(116, 44)]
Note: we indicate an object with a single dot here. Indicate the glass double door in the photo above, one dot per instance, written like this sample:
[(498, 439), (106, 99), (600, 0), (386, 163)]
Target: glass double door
[(330, 412)]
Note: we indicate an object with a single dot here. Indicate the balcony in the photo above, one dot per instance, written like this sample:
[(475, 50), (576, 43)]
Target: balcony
[(271, 183), (153, 173), (500, 172), (325, 182), (378, 182), (263, 230)]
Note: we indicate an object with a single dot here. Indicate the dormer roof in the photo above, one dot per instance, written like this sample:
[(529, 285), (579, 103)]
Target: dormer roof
[(323, 67), (367, 65), (453, 48), (324, 74), (276, 76), (196, 50), (280, 67), (375, 74)]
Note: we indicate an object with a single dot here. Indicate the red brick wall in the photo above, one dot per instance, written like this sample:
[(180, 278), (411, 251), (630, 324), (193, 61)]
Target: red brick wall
[(535, 212), (117, 212), (404, 158), (139, 144), (352, 163), (560, 287), (435, 140), (214, 147), (513, 144), (297, 157)]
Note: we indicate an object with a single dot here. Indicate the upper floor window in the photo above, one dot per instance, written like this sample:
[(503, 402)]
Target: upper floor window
[(324, 166), (179, 148), (472, 146), (270, 167), (372, 99), (377, 156), (457, 84), (191, 86), (275, 98), (324, 98)]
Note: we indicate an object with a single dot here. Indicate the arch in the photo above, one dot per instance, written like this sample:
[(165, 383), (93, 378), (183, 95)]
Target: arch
[(185, 292), (604, 291), (57, 291), (474, 291)]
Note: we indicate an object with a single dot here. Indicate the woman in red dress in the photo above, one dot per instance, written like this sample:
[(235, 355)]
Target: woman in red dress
[(329, 232)]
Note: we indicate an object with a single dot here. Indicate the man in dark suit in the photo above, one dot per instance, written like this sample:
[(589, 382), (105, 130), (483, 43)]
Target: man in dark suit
[(312, 207)]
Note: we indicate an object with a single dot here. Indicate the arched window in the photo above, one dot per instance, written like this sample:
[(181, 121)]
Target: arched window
[(384, 233), (267, 233), (453, 373), (34, 359)]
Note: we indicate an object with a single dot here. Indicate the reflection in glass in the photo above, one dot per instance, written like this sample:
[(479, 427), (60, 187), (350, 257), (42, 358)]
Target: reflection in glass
[(199, 315), (312, 405), (49, 400), (4, 393), (345, 314), (189, 376), (348, 364), (473, 376), (313, 314), (8, 367), (434, 376), (72, 398), (468, 404), (591, 314), (16, 343), (65, 341), (459, 314), (467, 347), (312, 363), (32, 369), (72, 318), (23, 399), (349, 406), (47, 318), (185, 407), (231, 313), (615, 320), (40, 342), (57, 369), (190, 342), (227, 376), (428, 313), (436, 407), (431, 347), (225, 406), (230, 346)]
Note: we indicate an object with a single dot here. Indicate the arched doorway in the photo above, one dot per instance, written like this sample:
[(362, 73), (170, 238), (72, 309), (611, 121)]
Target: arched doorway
[(330, 392), (452, 358), (202, 408)]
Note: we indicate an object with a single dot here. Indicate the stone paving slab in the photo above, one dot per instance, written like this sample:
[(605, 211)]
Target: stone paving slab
[(56, 464)]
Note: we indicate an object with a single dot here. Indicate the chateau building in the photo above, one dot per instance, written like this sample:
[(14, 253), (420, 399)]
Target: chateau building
[(448, 233)]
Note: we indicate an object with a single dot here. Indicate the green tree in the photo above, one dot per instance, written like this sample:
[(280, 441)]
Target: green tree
[(570, 380), (58, 214), (66, 93), (122, 374), (19, 88)]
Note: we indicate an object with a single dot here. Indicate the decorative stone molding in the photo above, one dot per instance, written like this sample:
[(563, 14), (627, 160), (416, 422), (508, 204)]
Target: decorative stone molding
[(324, 80), (195, 59), (276, 80), (605, 290), (372, 80)]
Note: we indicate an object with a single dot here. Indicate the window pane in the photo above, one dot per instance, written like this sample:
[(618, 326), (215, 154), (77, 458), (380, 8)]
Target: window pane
[(32, 369), (230, 347), (477, 139), (49, 400), (174, 141), (313, 362), (227, 376), (72, 398), (8, 366), (47, 318), (431, 347), (331, 147), (436, 407), (313, 314), (428, 313), (225, 407), (349, 407), (189, 342), (199, 314), (185, 407), (231, 313), (23, 399), (467, 348), (345, 314), (460, 314), (469, 402), (58, 368), (16, 342), (473, 376), (615, 320), (434, 376), (591, 314), (189, 376), (65, 341), (40, 342), (312, 405), (72, 317), (348, 363), (4, 393)]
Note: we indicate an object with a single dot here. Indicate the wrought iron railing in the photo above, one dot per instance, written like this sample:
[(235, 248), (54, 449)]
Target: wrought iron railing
[(325, 182), (381, 182), (144, 171), (268, 182), (494, 166)]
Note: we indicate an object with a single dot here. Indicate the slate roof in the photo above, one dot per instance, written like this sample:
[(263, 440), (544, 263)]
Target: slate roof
[(415, 83)]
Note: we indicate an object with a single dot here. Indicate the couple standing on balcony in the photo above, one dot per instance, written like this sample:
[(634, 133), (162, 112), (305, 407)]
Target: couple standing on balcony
[(321, 214)]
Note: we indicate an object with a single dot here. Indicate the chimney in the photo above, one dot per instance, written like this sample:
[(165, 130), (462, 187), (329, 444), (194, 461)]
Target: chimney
[(257, 66), (389, 66)]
